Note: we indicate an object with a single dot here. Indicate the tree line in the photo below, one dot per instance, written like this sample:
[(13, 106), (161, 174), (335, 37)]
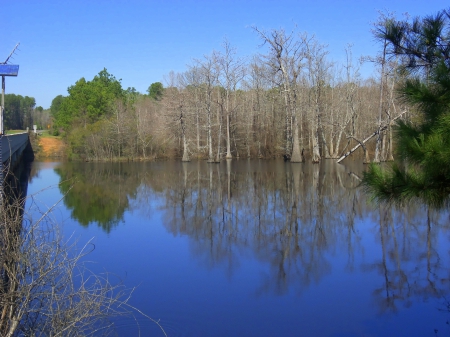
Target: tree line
[(21, 113), (289, 101)]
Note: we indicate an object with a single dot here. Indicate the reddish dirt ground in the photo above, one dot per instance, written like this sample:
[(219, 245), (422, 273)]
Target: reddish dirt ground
[(51, 147)]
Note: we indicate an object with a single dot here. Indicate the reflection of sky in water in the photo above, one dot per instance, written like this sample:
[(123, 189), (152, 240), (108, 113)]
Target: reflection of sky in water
[(238, 289)]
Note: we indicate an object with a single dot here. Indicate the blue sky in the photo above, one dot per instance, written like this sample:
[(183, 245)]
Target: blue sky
[(142, 41)]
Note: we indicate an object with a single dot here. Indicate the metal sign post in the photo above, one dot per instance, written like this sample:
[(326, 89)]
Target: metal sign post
[(3, 104), (5, 70)]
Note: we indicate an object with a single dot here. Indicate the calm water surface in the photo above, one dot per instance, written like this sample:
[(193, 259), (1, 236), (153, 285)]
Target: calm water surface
[(255, 248)]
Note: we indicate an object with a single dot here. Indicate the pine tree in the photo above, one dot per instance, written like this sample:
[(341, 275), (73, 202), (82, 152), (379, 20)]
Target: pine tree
[(422, 167)]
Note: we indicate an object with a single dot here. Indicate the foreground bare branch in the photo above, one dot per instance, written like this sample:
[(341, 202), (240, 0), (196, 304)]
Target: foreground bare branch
[(45, 287)]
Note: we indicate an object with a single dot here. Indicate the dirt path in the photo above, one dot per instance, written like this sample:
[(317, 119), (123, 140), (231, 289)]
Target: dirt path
[(51, 147)]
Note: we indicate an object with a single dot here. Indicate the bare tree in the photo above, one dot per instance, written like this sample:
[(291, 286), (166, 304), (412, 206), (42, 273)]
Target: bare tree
[(45, 289), (379, 28), (176, 102), (192, 80), (286, 56), (208, 69), (317, 79), (232, 72), (349, 104), (143, 122)]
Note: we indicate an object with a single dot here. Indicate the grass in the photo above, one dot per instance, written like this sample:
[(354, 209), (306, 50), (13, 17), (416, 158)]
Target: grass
[(43, 134), (48, 134), (13, 132)]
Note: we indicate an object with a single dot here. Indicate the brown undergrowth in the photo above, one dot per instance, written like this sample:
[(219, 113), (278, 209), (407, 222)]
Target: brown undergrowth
[(50, 147)]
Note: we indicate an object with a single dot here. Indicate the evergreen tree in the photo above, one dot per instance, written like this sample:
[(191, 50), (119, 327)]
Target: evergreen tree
[(422, 169), (88, 101), (156, 90), (18, 111)]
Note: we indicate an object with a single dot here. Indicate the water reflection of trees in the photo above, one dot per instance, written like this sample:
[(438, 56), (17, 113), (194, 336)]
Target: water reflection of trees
[(45, 288), (98, 192), (409, 261), (291, 216), (295, 219)]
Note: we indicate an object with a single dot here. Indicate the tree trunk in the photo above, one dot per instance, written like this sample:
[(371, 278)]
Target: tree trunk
[(390, 157), (228, 156), (296, 154), (380, 108), (185, 149), (219, 122), (315, 141)]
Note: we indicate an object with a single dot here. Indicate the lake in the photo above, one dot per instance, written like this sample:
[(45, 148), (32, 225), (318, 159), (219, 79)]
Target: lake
[(254, 248)]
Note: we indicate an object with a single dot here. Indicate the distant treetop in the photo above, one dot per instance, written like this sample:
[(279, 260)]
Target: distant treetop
[(156, 90)]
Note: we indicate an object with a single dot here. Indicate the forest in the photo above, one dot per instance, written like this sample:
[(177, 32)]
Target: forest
[(290, 101)]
